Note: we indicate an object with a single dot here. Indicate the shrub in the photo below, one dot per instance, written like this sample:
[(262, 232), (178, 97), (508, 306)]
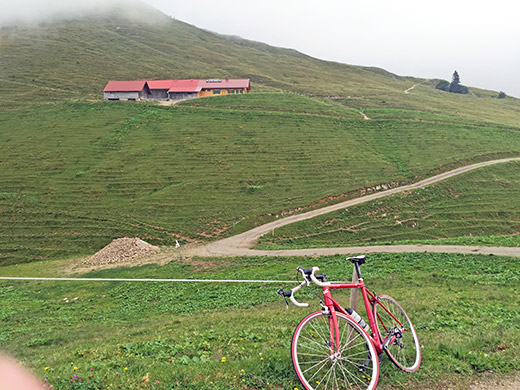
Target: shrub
[(443, 85), (456, 86)]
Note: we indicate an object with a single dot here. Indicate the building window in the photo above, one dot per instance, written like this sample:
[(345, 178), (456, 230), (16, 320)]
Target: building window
[(216, 92)]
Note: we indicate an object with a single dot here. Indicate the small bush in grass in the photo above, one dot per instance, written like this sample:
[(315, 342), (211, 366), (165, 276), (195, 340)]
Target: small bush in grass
[(443, 85)]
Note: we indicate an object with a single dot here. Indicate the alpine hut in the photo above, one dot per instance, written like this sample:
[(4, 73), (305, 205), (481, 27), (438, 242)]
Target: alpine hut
[(159, 88), (126, 90), (188, 89)]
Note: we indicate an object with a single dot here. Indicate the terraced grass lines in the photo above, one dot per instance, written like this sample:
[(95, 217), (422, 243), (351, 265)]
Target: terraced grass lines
[(477, 208), (76, 175)]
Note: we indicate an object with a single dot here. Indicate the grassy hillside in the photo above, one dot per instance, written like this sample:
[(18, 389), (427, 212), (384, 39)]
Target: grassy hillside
[(477, 208), (76, 175), (74, 59), (228, 336), (77, 172)]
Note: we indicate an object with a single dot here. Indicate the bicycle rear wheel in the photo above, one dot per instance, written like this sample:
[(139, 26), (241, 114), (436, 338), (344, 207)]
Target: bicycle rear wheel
[(320, 367), (404, 351)]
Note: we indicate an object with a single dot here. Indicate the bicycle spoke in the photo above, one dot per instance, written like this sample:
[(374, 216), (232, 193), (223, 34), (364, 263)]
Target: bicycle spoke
[(310, 354), (354, 363), (319, 382), (324, 347), (358, 353), (354, 376), (335, 381), (328, 377), (353, 346), (312, 377), (324, 361), (343, 373), (324, 341), (315, 362)]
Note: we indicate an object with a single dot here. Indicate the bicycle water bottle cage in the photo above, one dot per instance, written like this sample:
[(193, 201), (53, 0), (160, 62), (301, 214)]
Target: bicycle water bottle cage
[(357, 259)]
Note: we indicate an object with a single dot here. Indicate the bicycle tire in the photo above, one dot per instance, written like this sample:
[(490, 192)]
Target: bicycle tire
[(356, 368), (405, 351)]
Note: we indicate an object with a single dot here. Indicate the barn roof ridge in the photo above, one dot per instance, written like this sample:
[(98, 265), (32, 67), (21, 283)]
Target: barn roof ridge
[(177, 85), (125, 86)]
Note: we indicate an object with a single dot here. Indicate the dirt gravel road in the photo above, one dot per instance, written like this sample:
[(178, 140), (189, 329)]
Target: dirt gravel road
[(241, 244), (497, 383)]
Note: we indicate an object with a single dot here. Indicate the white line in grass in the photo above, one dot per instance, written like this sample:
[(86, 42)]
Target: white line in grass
[(145, 280)]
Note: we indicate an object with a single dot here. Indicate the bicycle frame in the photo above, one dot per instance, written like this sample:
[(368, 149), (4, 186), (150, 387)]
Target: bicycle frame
[(333, 306)]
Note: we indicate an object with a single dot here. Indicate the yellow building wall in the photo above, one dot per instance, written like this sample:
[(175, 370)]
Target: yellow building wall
[(210, 92)]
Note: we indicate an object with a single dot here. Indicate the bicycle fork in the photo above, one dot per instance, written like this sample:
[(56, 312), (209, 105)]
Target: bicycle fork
[(335, 346), (334, 343)]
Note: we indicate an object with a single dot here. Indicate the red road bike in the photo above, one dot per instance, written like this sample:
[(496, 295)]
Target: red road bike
[(335, 349)]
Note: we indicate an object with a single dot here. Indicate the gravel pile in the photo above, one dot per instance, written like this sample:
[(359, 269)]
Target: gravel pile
[(122, 250)]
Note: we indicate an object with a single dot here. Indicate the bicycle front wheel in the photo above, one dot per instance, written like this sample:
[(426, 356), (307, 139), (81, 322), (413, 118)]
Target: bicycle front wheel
[(403, 348), (318, 363)]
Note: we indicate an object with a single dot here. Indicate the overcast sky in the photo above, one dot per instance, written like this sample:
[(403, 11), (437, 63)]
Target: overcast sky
[(431, 39)]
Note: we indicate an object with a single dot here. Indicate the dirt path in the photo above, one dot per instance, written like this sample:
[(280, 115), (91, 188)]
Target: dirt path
[(511, 382), (409, 89), (364, 116), (241, 244)]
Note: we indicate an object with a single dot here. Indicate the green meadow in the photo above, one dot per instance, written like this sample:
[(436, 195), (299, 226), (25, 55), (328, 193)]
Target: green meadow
[(477, 208), (77, 172), (76, 175), (237, 336)]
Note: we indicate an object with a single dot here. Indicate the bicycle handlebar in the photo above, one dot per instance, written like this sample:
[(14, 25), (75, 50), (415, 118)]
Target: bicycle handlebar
[(293, 300), (315, 280), (290, 294), (307, 274)]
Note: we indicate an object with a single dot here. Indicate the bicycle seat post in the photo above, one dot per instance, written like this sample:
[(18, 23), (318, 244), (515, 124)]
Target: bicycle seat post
[(357, 261), (358, 271)]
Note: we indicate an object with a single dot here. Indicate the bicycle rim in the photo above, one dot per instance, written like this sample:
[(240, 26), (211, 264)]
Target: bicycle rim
[(404, 351), (318, 366)]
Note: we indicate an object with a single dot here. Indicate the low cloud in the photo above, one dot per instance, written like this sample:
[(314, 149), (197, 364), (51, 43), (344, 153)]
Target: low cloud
[(34, 11)]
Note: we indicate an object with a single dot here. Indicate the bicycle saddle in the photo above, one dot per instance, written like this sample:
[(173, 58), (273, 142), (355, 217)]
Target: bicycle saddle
[(357, 259)]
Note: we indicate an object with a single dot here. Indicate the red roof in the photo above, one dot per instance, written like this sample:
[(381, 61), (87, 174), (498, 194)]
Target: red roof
[(125, 86), (224, 84), (185, 86), (177, 85), (159, 84)]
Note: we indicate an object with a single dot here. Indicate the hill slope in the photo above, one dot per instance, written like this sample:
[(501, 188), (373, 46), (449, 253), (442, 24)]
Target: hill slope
[(75, 58), (75, 175)]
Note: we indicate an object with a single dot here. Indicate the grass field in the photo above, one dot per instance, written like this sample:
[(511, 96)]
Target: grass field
[(74, 176), (478, 208), (223, 336), (76, 172)]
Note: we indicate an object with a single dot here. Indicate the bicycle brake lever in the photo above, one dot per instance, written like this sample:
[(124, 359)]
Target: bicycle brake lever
[(283, 294)]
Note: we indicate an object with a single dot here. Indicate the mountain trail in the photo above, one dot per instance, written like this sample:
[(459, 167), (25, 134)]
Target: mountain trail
[(242, 244), (364, 116), (409, 89)]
